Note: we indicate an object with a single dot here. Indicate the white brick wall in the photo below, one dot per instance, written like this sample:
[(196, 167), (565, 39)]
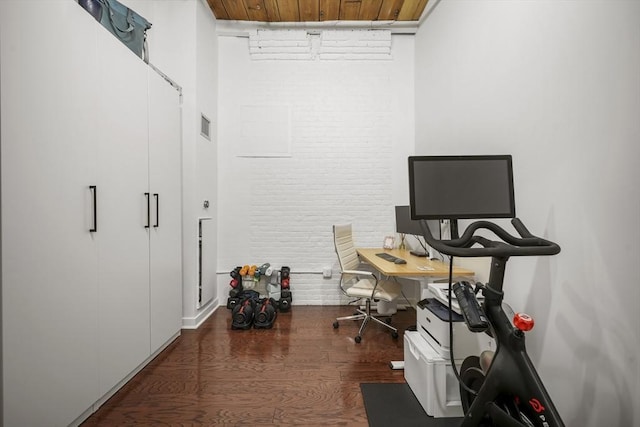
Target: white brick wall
[(289, 44), (355, 44), (328, 45), (351, 129)]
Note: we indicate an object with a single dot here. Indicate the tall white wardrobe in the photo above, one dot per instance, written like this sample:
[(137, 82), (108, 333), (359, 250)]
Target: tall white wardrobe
[(91, 194)]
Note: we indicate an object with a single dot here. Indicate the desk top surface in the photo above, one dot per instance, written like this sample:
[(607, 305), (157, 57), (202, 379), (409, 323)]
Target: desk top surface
[(415, 266)]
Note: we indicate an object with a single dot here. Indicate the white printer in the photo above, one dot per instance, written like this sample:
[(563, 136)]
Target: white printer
[(433, 324), (440, 291)]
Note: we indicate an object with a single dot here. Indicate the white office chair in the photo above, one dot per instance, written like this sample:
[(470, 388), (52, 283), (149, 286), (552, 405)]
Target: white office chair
[(361, 284)]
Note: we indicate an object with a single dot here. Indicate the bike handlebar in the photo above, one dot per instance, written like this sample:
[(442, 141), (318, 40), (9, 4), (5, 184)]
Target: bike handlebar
[(525, 245)]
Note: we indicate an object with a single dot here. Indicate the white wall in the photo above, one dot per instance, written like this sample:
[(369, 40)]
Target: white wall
[(183, 44), (199, 156), (351, 130), (556, 84), (207, 149)]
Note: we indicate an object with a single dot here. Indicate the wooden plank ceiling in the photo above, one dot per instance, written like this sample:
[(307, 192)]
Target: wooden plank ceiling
[(317, 10)]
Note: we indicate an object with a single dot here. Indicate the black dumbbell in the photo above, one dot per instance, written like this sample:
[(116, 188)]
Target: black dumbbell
[(265, 314), (284, 277), (235, 274), (242, 314), (231, 302), (285, 303), (236, 288)]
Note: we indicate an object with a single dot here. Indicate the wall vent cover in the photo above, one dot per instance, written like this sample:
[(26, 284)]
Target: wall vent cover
[(205, 127)]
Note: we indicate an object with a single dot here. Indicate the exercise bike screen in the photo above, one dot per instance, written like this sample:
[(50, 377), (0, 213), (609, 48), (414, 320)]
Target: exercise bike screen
[(461, 187)]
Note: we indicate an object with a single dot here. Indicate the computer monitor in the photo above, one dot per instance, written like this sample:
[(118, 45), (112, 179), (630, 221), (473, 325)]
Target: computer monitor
[(461, 187), (406, 225)]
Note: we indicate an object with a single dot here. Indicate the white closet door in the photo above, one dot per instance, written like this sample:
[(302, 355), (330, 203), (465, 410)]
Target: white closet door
[(122, 211), (49, 257), (165, 184)]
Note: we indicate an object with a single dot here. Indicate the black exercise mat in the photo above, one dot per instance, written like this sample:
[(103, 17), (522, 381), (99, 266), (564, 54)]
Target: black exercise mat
[(394, 404)]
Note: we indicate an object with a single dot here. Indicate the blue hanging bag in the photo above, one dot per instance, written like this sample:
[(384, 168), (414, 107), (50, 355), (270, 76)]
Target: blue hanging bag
[(129, 27)]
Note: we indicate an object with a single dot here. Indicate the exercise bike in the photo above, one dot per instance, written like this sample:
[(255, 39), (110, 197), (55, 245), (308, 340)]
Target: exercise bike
[(501, 388)]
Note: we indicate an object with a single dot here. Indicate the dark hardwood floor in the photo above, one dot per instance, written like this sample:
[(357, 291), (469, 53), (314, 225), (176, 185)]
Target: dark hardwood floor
[(302, 372)]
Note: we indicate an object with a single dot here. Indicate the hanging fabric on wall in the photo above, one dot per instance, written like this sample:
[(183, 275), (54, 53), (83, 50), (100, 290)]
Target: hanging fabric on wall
[(129, 27)]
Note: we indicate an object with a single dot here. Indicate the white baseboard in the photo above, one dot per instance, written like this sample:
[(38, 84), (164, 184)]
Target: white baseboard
[(203, 314)]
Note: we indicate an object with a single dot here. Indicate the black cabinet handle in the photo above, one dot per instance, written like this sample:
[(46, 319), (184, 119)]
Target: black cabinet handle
[(157, 197), (148, 210), (94, 190)]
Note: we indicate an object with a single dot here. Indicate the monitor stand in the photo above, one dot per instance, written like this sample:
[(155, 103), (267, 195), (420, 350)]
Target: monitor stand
[(419, 253)]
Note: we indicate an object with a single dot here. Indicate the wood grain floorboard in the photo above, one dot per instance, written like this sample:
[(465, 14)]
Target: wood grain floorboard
[(301, 372)]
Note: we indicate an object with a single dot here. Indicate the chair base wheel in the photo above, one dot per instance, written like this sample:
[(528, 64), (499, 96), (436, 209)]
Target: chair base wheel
[(336, 325), (394, 335), (358, 338)]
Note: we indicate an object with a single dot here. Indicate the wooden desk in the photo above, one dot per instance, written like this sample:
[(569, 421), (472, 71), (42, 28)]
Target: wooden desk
[(410, 269), (415, 266)]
